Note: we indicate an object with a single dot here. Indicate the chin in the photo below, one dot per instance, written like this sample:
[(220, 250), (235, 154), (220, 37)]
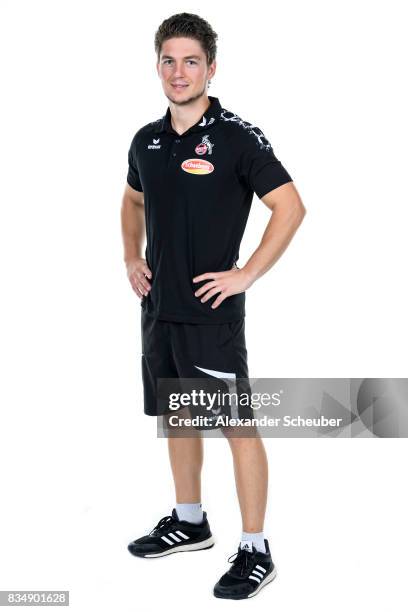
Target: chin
[(186, 98), (178, 98)]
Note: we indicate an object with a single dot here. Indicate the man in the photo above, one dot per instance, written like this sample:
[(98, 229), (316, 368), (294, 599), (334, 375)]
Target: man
[(191, 179)]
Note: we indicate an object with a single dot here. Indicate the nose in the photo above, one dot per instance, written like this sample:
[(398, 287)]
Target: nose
[(178, 69)]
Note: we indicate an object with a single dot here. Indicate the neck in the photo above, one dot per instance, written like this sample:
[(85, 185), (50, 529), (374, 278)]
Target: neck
[(184, 116)]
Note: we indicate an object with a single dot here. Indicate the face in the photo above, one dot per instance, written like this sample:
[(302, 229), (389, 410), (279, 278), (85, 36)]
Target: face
[(183, 70)]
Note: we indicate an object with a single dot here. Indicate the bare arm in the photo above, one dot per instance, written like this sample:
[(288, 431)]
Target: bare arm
[(287, 214), (133, 233)]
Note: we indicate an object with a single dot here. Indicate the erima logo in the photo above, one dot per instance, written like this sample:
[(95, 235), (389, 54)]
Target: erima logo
[(155, 144)]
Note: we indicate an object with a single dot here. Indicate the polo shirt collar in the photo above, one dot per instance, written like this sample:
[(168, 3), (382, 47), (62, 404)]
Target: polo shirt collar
[(210, 117)]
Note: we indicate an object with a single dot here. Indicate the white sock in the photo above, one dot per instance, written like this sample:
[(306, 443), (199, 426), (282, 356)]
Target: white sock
[(253, 539), (192, 513)]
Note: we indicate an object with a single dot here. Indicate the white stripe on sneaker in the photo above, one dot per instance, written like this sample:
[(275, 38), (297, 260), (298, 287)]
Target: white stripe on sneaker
[(261, 568), (255, 573), (183, 535), (255, 578), (264, 582), (167, 540), (171, 535)]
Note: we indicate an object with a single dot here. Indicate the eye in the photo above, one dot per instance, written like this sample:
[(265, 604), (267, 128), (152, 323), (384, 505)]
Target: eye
[(167, 61), (191, 62)]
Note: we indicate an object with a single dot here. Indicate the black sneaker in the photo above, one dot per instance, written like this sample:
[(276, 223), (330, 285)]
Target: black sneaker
[(172, 535), (251, 570)]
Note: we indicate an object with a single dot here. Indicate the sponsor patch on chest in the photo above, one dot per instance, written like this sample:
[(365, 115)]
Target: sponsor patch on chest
[(197, 166)]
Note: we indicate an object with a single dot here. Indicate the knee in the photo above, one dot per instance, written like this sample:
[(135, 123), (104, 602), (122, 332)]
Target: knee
[(243, 444)]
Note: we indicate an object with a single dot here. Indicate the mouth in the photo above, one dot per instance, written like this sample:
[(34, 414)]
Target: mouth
[(179, 86)]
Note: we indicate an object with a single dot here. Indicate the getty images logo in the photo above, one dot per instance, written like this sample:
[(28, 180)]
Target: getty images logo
[(155, 144)]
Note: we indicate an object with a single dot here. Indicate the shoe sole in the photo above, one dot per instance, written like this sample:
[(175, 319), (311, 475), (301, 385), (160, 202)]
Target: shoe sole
[(267, 580), (208, 543)]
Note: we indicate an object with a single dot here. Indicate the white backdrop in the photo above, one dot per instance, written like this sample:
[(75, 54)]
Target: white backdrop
[(82, 470)]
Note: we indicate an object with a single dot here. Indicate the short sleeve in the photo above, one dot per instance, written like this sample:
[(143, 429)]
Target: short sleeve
[(133, 178), (259, 167)]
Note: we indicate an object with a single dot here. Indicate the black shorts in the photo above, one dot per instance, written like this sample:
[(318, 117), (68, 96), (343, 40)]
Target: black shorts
[(173, 350)]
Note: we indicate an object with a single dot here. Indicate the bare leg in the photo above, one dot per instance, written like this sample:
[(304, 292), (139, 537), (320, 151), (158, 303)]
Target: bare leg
[(251, 479), (186, 459)]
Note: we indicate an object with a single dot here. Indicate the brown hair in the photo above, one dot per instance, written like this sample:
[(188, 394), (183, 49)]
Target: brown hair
[(189, 26)]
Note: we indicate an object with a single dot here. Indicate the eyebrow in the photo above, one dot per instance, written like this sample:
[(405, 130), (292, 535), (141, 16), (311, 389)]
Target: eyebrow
[(187, 57)]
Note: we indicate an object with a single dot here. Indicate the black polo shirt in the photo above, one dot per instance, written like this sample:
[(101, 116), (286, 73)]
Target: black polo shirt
[(198, 189)]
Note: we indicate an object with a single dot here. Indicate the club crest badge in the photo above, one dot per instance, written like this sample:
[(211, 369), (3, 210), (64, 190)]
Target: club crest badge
[(201, 149), (205, 146)]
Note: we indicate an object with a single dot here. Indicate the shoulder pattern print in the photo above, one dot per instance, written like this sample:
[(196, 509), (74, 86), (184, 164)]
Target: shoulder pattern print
[(255, 131)]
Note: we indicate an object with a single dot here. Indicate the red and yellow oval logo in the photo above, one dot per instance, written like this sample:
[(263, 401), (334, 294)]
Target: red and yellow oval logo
[(197, 166)]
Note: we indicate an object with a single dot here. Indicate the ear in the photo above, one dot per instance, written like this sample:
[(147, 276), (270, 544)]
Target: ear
[(212, 69)]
